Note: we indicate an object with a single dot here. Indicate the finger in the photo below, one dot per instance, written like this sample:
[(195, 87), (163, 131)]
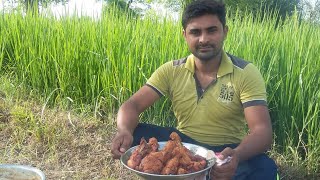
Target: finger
[(115, 146), (116, 154), (225, 153), (221, 169), (126, 143), (225, 170)]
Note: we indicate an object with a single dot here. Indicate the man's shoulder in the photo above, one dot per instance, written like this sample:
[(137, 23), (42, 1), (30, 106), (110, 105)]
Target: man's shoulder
[(238, 62), (175, 62), (173, 65), (179, 62), (243, 66)]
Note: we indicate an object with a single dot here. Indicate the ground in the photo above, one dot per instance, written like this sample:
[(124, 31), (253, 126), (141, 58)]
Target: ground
[(67, 145)]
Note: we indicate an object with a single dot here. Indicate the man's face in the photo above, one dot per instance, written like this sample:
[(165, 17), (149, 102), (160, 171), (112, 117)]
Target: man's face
[(205, 36)]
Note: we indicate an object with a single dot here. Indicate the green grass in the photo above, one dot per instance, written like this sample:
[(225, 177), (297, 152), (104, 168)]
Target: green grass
[(95, 65), (87, 61), (287, 57)]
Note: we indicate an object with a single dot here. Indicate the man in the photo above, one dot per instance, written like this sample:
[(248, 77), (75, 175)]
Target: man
[(213, 94)]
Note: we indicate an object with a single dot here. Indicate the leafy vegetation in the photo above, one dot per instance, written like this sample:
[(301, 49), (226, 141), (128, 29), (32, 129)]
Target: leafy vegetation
[(94, 65), (286, 56)]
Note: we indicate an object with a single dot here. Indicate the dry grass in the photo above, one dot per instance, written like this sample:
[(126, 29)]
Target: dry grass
[(292, 170), (63, 146)]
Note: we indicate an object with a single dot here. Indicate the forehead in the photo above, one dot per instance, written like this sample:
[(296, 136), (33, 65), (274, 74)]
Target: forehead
[(203, 22)]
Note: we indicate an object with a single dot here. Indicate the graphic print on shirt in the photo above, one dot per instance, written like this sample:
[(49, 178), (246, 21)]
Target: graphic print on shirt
[(226, 93)]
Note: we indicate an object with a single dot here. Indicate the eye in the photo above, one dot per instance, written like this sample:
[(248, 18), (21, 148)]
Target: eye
[(212, 30), (194, 32)]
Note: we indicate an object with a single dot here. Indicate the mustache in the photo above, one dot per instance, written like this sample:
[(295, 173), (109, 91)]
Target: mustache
[(205, 46)]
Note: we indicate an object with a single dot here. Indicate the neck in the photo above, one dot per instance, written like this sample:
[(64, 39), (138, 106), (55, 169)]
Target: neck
[(210, 66)]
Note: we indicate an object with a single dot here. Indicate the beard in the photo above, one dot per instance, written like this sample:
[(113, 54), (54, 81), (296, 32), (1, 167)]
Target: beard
[(207, 52)]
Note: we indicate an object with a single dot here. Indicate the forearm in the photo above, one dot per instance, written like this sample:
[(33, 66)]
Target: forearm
[(254, 143), (128, 117)]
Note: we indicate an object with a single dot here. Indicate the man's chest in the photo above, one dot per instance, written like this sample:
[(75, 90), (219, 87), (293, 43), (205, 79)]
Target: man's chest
[(219, 101), (189, 90)]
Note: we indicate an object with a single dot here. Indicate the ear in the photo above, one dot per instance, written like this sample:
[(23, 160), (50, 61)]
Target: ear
[(225, 31), (184, 33)]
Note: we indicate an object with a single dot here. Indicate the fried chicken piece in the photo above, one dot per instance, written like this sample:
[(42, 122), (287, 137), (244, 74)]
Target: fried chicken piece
[(175, 137), (185, 154), (138, 154), (189, 161), (197, 165), (153, 143), (185, 160), (182, 171), (197, 158), (171, 166), (170, 145), (181, 162), (154, 162), (173, 143)]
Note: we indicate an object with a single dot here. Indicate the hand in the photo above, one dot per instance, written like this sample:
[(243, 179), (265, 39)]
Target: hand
[(120, 143), (228, 170)]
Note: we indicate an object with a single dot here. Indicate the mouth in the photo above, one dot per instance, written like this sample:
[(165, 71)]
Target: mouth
[(205, 48)]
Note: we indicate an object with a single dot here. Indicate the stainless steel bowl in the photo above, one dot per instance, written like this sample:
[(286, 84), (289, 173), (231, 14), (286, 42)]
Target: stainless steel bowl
[(197, 150), (20, 172)]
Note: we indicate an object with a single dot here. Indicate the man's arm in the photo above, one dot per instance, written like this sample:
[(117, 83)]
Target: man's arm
[(128, 118), (256, 142), (259, 138), (128, 114)]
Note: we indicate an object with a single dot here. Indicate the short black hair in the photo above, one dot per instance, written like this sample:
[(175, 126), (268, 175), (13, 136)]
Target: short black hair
[(199, 8)]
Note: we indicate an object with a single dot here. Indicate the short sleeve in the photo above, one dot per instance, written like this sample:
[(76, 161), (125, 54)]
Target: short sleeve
[(253, 90), (160, 79)]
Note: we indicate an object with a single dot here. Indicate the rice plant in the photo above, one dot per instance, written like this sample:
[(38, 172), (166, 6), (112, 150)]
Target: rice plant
[(100, 63)]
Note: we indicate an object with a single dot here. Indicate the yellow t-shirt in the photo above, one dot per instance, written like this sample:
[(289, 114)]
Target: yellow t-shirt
[(215, 115)]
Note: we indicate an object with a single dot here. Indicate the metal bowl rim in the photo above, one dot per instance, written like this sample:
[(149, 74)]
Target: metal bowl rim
[(25, 168)]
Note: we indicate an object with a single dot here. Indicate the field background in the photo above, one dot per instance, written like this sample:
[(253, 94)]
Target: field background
[(62, 82)]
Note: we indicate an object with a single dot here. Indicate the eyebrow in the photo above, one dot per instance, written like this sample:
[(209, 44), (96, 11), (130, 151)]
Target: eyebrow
[(211, 27)]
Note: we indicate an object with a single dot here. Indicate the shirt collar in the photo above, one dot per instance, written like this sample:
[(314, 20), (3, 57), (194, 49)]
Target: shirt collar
[(226, 65)]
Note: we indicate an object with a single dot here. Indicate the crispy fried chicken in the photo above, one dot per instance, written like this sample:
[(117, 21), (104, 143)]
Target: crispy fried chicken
[(154, 162), (171, 166), (153, 143), (174, 158), (138, 154)]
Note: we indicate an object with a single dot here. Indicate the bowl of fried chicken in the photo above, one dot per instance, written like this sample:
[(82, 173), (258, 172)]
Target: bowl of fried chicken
[(168, 160)]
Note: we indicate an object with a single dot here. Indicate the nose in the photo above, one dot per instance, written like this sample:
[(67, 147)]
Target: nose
[(203, 39)]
